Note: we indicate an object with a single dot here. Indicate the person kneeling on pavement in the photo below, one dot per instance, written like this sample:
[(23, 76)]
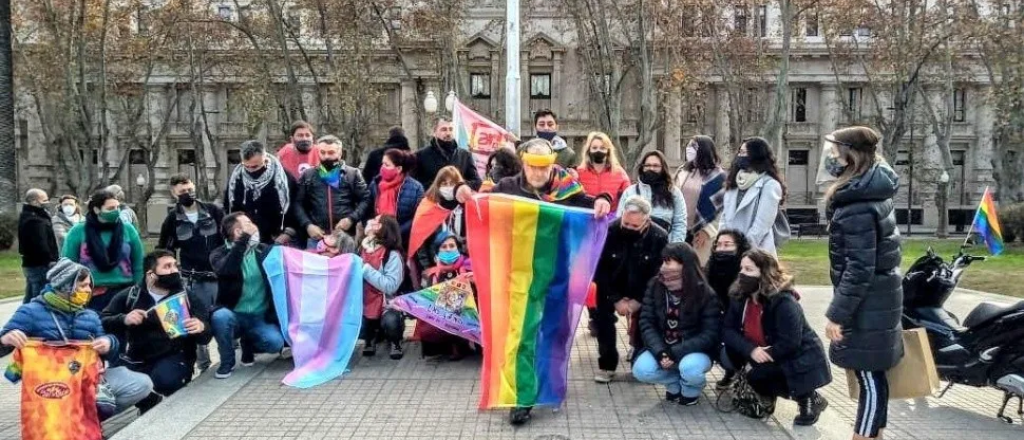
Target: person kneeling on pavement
[(383, 272), (679, 325), (765, 327), (168, 362), (59, 315), (245, 308)]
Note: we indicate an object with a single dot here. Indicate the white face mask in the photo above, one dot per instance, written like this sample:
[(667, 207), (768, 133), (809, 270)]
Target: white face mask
[(254, 239), (68, 210), (691, 152), (448, 192)]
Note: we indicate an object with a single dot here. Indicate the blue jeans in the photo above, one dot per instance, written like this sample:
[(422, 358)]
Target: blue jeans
[(687, 377), (206, 290), (255, 331), (35, 280)]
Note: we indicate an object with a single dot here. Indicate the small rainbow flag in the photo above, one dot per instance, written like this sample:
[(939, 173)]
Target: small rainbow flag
[(172, 313), (537, 260), (986, 223)]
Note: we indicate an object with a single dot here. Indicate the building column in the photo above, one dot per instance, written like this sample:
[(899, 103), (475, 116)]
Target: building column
[(408, 112), (829, 105), (982, 150), (558, 92), (497, 76), (722, 121), (673, 128), (524, 85)]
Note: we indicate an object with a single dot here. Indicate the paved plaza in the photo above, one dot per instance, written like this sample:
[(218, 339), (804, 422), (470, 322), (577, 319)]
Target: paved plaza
[(420, 399)]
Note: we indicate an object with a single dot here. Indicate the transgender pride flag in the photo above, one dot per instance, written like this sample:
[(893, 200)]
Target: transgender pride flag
[(319, 303)]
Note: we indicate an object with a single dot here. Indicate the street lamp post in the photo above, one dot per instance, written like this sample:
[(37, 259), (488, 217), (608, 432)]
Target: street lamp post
[(140, 209), (430, 103)]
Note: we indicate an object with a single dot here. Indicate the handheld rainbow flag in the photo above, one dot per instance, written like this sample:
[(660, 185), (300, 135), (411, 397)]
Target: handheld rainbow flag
[(172, 313), (448, 306), (319, 303), (986, 223), (477, 134), (537, 262)]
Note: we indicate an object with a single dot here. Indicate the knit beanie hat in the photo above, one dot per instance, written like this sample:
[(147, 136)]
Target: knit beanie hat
[(64, 275), (397, 141)]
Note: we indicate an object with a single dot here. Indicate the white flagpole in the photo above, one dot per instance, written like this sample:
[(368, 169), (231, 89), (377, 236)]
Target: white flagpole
[(973, 219), (513, 97)]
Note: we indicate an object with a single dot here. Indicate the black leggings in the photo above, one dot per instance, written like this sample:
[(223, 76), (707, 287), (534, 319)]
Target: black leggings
[(873, 405), (390, 327)]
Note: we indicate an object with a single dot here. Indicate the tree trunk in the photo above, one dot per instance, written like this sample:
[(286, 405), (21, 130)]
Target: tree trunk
[(8, 166)]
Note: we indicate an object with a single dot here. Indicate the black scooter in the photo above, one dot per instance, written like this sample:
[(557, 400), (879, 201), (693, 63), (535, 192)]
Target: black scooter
[(987, 349)]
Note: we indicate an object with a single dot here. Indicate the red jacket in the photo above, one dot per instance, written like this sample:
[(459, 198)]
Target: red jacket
[(613, 181), (295, 162)]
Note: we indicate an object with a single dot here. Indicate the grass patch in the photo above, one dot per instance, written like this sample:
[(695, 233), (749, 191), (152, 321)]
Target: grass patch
[(808, 260)]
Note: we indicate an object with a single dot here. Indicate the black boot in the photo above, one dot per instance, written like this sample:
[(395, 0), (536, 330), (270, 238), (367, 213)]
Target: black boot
[(811, 408), (726, 381), (370, 348), (519, 416), (146, 404), (396, 351)]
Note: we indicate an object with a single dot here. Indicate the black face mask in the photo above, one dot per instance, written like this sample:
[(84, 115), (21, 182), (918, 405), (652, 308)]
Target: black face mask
[(747, 284), (187, 200), (304, 145), (170, 282), (742, 162), (598, 157), (256, 174), (328, 164), (723, 267), (631, 234), (652, 178)]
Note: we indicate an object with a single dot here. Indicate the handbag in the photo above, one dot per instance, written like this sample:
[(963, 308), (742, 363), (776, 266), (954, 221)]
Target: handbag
[(745, 400)]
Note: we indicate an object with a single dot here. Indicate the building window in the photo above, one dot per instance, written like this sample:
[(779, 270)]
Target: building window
[(480, 85), (853, 98), (245, 13), (540, 86), (294, 21), (395, 15), (224, 12), (23, 134), (811, 29), (234, 157), (137, 156), (800, 105), (187, 157), (762, 20), (739, 24), (959, 105), (604, 83), (863, 31), (799, 157), (142, 20)]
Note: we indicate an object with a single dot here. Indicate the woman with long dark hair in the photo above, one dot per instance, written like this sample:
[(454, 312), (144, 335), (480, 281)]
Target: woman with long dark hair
[(754, 193), (383, 271), (864, 251), (700, 179), (765, 327), (654, 184), (679, 324)]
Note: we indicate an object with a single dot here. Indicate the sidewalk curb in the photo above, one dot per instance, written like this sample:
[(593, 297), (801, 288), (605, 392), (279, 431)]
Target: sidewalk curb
[(179, 414), (10, 300)]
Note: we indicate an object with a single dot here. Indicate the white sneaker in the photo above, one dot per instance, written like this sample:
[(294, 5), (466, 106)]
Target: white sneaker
[(604, 376), (286, 353)]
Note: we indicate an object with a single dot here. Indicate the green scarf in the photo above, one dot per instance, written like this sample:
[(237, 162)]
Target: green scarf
[(59, 302)]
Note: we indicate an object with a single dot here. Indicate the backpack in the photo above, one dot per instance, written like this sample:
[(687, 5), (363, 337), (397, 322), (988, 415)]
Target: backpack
[(744, 400)]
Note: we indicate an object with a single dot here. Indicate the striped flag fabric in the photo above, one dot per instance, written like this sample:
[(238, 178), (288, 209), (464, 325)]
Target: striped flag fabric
[(319, 302), (477, 134), (986, 223), (533, 262)]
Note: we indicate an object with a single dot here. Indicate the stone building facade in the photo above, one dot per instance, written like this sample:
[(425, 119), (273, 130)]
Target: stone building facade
[(551, 72)]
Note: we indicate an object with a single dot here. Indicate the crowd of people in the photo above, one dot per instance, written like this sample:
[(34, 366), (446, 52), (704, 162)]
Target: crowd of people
[(689, 262)]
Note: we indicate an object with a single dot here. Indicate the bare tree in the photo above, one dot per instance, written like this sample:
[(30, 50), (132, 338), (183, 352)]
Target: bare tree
[(8, 174)]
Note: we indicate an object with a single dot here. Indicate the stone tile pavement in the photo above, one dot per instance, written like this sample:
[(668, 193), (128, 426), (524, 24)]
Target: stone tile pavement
[(420, 399)]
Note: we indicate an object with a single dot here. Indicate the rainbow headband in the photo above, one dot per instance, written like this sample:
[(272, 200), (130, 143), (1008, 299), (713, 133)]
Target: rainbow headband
[(539, 160)]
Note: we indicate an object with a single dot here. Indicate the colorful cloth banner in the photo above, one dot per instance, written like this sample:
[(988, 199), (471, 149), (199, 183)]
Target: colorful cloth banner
[(58, 390), (172, 314), (535, 261), (429, 216), (986, 222), (448, 306), (478, 135), (319, 303)]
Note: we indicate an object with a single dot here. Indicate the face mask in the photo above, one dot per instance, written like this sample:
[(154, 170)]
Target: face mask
[(68, 210), (170, 282), (388, 173), (651, 177), (691, 153), (672, 279), (742, 162), (109, 216), (447, 145), (304, 145), (631, 234), (254, 239), (80, 298), (747, 284), (598, 157), (547, 135), (449, 256), (187, 199), (448, 192), (328, 164), (724, 264), (833, 167), (256, 174)]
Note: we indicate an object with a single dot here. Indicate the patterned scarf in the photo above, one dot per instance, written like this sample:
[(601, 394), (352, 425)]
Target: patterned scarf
[(563, 185), (59, 302), (674, 304), (274, 176), (331, 177)]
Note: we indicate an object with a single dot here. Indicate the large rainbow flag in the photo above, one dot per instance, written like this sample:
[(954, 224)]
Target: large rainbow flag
[(986, 223), (477, 134), (534, 262), (319, 303)]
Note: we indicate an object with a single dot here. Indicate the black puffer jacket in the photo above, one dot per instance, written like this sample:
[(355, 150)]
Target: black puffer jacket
[(864, 249), (628, 263), (699, 326), (349, 201), (791, 340)]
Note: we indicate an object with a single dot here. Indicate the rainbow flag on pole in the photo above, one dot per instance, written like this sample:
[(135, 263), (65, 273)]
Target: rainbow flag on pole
[(534, 261), (319, 303), (986, 223), (477, 134)]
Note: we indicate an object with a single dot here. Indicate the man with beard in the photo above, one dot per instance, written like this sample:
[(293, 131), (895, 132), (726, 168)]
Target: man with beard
[(722, 270), (631, 257), (192, 231), (299, 155), (332, 196), (263, 190), (444, 151)]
